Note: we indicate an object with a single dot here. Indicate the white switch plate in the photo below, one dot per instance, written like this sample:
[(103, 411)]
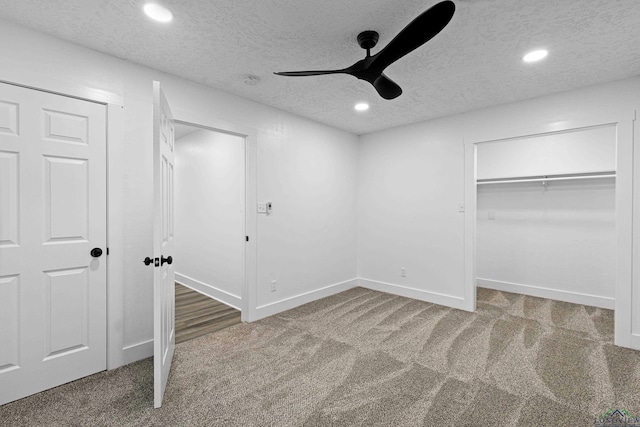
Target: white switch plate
[(460, 207), (273, 286), (403, 272), (262, 207), (491, 215)]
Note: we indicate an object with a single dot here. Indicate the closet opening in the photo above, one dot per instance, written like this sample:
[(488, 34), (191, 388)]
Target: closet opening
[(545, 228), (209, 229)]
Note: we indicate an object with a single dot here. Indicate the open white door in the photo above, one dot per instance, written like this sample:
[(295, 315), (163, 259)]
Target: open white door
[(163, 244)]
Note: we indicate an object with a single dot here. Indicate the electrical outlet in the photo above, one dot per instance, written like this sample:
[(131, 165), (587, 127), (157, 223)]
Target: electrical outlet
[(273, 286), (262, 207), (460, 207), (403, 272), (491, 215)]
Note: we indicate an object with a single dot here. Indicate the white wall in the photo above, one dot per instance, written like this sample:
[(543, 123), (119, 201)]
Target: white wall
[(307, 169), (411, 182), (310, 239), (209, 214)]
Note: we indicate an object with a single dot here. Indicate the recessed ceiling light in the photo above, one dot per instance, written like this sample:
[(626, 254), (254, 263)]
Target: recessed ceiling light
[(158, 13), (535, 55), (361, 106)]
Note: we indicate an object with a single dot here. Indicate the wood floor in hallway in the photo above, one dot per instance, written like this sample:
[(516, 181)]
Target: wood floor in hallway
[(198, 315)]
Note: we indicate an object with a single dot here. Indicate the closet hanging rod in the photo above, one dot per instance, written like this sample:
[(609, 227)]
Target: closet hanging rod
[(544, 178)]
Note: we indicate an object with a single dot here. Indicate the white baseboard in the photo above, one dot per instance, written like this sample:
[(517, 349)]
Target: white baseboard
[(419, 294), (134, 352), (210, 291), (298, 300), (555, 294), (635, 341)]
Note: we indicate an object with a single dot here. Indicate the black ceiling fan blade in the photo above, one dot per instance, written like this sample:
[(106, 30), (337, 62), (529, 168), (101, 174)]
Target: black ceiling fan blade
[(387, 88), (308, 73), (418, 32)]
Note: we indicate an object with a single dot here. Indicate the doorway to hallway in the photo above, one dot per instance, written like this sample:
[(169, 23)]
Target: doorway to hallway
[(209, 229)]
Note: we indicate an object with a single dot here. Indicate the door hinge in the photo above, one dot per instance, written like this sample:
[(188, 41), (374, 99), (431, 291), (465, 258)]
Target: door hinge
[(246, 238)]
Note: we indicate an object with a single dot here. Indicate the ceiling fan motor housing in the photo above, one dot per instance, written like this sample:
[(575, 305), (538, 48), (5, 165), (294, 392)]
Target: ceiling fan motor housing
[(368, 39)]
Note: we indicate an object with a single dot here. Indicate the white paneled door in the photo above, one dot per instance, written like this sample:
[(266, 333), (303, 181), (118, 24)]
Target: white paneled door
[(52, 230), (163, 243)]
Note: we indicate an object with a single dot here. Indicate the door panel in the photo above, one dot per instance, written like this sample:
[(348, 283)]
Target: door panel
[(66, 199), (164, 275), (52, 213), (8, 118), (64, 127), (9, 199), (66, 311), (9, 319)]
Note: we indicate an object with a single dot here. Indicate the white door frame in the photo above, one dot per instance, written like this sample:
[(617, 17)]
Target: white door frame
[(115, 115), (624, 289), (248, 293)]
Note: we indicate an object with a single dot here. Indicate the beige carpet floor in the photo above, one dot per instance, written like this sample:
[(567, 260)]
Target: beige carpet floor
[(371, 359)]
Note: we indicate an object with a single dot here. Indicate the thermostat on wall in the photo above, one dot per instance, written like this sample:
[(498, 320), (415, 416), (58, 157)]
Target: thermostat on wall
[(264, 207)]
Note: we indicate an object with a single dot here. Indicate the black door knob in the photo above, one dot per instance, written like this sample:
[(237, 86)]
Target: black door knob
[(168, 260), (148, 261), (96, 252)]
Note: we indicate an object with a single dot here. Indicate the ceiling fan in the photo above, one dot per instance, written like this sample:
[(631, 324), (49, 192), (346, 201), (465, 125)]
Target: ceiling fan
[(418, 32)]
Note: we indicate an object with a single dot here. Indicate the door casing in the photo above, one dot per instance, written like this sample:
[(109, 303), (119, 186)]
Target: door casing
[(114, 238), (248, 289)]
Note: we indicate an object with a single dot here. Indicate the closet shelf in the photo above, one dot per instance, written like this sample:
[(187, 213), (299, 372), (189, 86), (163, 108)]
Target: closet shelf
[(547, 178)]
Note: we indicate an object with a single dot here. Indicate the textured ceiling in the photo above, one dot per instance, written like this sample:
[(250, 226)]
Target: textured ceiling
[(473, 63)]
